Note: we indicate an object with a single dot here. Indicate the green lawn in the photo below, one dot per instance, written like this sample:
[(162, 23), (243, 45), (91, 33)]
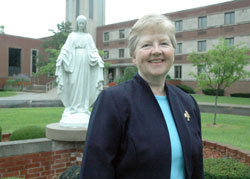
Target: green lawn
[(14, 118), (230, 129), (7, 93), (222, 99)]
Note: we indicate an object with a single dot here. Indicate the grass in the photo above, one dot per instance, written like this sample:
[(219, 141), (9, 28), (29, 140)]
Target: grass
[(222, 99), (230, 129), (15, 118), (7, 93)]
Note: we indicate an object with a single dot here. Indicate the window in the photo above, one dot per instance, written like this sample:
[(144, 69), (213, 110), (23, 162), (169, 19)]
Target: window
[(202, 46), (179, 48), (230, 41), (202, 22), (121, 53), (91, 9), (77, 8), (14, 61), (178, 25), (177, 71), (122, 34), (229, 18), (106, 36), (106, 54), (201, 70), (34, 61)]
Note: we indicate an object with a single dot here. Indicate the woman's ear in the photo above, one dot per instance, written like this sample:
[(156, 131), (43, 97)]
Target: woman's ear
[(134, 60)]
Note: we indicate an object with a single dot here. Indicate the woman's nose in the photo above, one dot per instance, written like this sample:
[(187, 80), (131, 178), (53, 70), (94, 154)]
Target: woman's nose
[(156, 49)]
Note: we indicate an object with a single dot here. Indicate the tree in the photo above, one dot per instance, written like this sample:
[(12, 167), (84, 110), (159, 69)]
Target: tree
[(129, 73), (52, 47), (220, 67)]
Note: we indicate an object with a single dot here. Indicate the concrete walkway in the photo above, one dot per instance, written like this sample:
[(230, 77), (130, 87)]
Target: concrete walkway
[(50, 99), (51, 95)]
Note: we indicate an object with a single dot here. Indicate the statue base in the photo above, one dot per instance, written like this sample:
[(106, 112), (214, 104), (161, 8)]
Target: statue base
[(75, 120), (55, 132)]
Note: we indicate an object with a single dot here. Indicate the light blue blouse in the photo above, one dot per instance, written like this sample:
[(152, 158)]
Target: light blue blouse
[(177, 160)]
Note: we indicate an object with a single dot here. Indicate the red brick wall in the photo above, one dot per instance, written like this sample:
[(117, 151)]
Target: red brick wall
[(50, 165), (25, 44), (43, 165), (217, 150)]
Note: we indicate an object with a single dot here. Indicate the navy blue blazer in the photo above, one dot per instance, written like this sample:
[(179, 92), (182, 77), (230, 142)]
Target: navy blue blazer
[(128, 138)]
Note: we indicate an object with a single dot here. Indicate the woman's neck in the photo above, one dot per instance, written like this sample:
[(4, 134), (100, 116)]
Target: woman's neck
[(157, 84)]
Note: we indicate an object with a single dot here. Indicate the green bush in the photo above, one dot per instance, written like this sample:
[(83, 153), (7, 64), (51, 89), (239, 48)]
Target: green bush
[(72, 172), (186, 88), (212, 92), (242, 95), (129, 73), (225, 168), (0, 133), (12, 178), (28, 132)]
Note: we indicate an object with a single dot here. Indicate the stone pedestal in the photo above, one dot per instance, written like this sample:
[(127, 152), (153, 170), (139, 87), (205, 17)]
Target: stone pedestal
[(56, 132)]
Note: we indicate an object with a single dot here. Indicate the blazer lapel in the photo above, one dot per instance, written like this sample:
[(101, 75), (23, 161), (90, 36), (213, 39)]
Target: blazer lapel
[(178, 111)]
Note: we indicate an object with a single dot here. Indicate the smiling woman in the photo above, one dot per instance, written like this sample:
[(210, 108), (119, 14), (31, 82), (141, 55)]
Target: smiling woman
[(145, 128)]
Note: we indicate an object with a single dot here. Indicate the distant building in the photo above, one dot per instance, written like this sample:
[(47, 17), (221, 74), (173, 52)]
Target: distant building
[(197, 30), (18, 55), (93, 10)]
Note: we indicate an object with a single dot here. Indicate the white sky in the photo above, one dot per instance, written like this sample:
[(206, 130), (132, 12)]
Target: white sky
[(34, 18)]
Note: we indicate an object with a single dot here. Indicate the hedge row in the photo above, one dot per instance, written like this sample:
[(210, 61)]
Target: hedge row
[(242, 95), (186, 88), (28, 132), (212, 92), (0, 134)]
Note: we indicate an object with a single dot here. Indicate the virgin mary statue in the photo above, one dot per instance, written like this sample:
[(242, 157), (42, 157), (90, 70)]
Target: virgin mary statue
[(79, 72)]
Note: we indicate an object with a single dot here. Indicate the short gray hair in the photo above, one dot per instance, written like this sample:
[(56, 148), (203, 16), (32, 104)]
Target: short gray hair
[(159, 23)]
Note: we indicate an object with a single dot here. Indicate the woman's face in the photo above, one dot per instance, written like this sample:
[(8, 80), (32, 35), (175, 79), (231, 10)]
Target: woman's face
[(81, 24), (154, 55)]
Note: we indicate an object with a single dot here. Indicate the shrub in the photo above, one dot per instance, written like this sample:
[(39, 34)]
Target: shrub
[(129, 73), (242, 95), (0, 133), (212, 92), (225, 168), (72, 172), (17, 82), (186, 88), (28, 132)]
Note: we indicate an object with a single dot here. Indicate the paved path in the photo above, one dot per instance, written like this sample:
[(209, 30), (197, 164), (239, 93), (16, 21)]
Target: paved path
[(51, 95)]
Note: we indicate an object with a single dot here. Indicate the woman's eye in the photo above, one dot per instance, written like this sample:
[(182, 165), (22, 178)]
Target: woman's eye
[(164, 43), (145, 45)]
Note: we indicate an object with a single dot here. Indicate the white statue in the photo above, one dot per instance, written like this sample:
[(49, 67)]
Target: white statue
[(79, 71)]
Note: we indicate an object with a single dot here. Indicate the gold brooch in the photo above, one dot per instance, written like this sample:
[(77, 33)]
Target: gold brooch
[(187, 116)]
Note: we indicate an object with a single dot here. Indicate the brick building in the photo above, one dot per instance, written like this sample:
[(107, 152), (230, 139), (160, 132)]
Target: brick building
[(18, 55), (197, 30)]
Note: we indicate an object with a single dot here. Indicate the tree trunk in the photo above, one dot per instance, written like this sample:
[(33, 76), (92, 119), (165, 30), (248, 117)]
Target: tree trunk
[(215, 105)]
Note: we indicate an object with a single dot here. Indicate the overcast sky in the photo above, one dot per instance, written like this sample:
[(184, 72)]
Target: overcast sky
[(34, 18)]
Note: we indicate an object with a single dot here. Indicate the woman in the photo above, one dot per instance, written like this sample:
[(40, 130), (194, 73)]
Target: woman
[(79, 71), (144, 128)]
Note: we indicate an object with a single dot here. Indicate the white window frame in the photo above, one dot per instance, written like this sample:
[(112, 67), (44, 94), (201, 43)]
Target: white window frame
[(229, 18), (178, 25), (31, 60), (202, 22), (202, 46), (121, 53), (106, 36), (178, 71)]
